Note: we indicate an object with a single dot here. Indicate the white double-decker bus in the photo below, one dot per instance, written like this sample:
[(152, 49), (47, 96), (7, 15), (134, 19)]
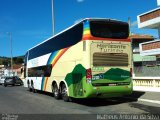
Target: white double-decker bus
[(90, 59)]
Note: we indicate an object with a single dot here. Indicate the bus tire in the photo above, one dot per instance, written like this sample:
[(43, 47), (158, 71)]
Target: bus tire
[(5, 85), (32, 87), (55, 91), (64, 94), (29, 88)]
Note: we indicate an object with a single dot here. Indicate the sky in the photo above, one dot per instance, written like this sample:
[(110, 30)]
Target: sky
[(30, 21)]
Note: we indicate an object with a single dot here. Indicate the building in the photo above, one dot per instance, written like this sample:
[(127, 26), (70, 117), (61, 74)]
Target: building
[(16, 71), (9, 72), (149, 50), (1, 70), (138, 60), (150, 20)]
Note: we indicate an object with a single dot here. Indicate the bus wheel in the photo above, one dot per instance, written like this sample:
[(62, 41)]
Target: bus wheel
[(32, 87), (29, 88), (5, 85), (65, 97), (55, 91)]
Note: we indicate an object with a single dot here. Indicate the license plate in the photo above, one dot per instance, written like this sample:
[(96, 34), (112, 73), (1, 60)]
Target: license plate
[(112, 84)]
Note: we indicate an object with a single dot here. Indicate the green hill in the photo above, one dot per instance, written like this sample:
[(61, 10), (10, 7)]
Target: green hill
[(7, 60)]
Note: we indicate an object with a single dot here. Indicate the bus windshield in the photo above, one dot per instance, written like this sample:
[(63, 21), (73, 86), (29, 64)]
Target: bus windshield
[(109, 29)]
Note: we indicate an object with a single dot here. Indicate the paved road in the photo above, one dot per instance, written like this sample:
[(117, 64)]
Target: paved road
[(18, 100)]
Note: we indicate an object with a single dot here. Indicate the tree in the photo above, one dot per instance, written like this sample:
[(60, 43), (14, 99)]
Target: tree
[(19, 60), (6, 62)]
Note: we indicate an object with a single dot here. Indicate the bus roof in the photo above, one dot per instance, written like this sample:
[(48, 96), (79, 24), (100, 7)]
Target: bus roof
[(90, 19)]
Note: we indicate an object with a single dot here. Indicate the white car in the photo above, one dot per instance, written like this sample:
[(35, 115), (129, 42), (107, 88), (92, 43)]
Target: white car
[(2, 80)]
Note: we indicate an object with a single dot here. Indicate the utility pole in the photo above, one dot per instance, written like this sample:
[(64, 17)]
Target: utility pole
[(129, 23), (10, 37)]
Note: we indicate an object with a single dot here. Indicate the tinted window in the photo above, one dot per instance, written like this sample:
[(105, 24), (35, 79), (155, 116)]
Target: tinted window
[(9, 78), (42, 71), (110, 59), (109, 29), (63, 40), (25, 64), (25, 58)]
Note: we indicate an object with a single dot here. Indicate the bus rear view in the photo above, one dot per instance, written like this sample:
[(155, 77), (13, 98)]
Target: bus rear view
[(109, 49)]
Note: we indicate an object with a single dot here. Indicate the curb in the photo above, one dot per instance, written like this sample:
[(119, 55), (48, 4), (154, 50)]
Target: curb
[(143, 100), (147, 100)]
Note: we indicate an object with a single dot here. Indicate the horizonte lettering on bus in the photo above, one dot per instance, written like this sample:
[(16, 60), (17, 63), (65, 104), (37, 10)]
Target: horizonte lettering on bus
[(102, 46)]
